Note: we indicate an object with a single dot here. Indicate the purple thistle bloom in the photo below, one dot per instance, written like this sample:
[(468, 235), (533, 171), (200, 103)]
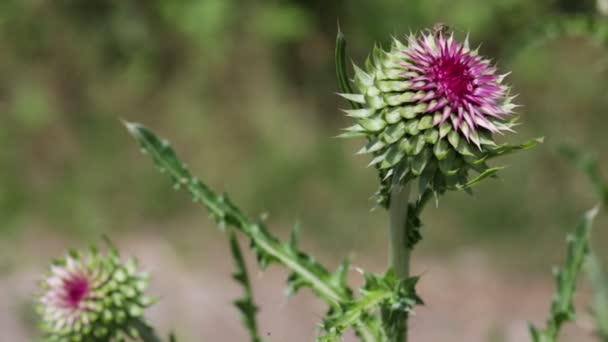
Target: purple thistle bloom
[(92, 297), (67, 291), (430, 107), (455, 81)]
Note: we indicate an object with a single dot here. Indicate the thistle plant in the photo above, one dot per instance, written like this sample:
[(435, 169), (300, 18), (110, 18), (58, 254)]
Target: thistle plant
[(89, 296), (430, 108)]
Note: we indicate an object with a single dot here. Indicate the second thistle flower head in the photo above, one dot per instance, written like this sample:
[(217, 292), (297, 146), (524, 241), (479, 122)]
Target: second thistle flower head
[(430, 107), (92, 297)]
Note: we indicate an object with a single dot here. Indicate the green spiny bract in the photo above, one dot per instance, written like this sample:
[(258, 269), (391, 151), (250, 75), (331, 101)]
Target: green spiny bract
[(91, 297), (430, 109)]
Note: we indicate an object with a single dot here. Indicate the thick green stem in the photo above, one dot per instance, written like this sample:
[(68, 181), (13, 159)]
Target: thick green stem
[(399, 253)]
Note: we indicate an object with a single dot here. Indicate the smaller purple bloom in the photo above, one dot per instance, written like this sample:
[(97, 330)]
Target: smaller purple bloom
[(76, 290), (67, 291), (92, 297)]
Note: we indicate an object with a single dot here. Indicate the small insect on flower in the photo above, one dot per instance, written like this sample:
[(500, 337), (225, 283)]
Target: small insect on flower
[(430, 107), (440, 29), (92, 297)]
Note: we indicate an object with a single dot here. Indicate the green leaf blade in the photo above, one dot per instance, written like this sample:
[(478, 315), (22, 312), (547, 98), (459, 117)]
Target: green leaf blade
[(306, 271), (245, 304), (562, 307)]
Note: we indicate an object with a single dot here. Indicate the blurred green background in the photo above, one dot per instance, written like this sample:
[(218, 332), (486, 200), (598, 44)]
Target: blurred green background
[(245, 91)]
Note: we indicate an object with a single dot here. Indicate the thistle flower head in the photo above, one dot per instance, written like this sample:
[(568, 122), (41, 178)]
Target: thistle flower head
[(92, 297), (430, 107), (457, 83)]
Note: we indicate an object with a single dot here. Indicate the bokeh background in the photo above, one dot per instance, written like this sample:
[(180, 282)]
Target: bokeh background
[(245, 91)]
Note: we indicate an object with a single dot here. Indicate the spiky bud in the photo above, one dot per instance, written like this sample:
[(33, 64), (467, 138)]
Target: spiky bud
[(92, 297), (429, 107)]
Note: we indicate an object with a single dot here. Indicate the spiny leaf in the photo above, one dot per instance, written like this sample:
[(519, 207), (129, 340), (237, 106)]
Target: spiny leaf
[(306, 271), (223, 211), (506, 149), (379, 292), (491, 172), (245, 304), (351, 314), (396, 309), (340, 276), (562, 307), (587, 163)]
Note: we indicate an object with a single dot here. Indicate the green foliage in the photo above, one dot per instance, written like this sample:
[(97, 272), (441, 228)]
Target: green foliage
[(306, 271), (396, 309), (268, 249), (588, 164), (246, 305), (562, 307), (506, 149), (394, 297)]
